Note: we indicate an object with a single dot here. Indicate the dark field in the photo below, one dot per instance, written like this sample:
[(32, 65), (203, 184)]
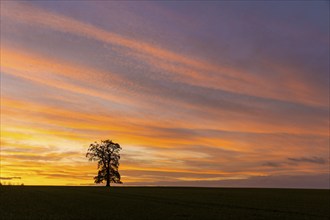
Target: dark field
[(45, 202)]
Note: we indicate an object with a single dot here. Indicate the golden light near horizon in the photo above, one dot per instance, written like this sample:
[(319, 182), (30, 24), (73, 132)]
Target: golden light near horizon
[(200, 94)]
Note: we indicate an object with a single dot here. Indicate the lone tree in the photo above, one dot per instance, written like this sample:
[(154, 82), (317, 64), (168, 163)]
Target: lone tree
[(107, 155)]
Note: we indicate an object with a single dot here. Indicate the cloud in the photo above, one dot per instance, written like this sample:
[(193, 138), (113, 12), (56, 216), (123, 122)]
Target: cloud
[(50, 156), (314, 159), (319, 181), (271, 164), (203, 101), (217, 110), (294, 160), (10, 178), (61, 75), (185, 69), (207, 103)]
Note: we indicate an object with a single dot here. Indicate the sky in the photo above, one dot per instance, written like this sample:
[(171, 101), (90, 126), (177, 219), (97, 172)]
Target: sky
[(213, 93)]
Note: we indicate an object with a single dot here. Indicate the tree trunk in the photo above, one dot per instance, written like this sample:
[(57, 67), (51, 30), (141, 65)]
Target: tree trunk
[(108, 175)]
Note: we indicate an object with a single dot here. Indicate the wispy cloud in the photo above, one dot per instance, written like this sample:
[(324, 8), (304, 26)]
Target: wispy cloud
[(281, 181), (271, 164), (317, 160), (185, 69), (10, 178), (187, 102)]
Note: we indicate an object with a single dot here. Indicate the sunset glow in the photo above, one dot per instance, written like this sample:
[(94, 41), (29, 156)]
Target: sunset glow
[(196, 93)]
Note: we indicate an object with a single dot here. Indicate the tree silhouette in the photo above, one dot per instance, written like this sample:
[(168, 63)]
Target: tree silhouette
[(107, 155)]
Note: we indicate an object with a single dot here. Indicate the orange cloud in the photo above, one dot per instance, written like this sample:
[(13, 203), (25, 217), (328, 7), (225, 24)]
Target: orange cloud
[(182, 138), (186, 69)]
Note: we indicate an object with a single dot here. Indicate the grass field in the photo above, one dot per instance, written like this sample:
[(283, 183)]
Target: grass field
[(55, 202)]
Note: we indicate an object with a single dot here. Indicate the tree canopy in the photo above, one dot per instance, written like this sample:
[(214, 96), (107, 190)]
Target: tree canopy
[(107, 155)]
